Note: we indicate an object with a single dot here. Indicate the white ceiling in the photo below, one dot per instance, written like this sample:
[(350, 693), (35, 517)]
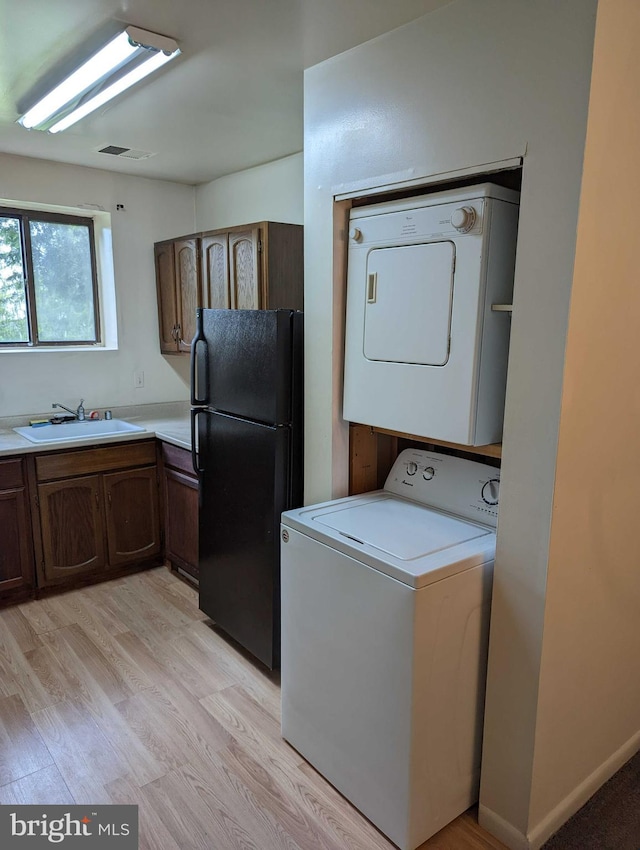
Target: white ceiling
[(231, 101)]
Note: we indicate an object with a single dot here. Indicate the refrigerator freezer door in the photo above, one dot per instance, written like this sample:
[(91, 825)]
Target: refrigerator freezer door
[(245, 486), (246, 359)]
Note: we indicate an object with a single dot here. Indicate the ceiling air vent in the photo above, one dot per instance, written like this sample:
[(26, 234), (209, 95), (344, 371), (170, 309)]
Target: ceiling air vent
[(125, 153)]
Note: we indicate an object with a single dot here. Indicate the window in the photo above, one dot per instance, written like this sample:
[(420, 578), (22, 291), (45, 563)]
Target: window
[(48, 284)]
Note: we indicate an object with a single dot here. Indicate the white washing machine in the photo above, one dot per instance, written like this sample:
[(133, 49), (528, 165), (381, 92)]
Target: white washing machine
[(385, 619), (425, 353)]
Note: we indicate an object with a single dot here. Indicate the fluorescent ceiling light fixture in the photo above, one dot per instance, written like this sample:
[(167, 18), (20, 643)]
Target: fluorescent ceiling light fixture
[(155, 61), (125, 60)]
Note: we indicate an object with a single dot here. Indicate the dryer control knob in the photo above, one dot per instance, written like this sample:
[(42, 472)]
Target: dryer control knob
[(428, 473), (463, 219), (412, 467), (491, 491), (355, 234)]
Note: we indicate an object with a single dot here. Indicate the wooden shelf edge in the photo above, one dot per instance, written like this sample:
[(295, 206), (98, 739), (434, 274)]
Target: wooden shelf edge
[(492, 450), (373, 450)]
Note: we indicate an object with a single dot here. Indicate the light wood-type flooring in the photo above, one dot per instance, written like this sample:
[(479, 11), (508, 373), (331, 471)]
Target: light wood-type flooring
[(124, 693)]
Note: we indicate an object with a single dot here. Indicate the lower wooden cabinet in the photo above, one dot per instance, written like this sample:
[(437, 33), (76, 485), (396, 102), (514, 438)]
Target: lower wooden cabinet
[(82, 515), (181, 510), (17, 576), (133, 523), (95, 510), (72, 527)]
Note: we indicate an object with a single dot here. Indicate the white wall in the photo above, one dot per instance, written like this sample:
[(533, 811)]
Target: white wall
[(271, 192), (589, 705), (154, 210), (475, 82)]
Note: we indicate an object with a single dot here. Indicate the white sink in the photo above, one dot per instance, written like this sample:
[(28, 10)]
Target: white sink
[(87, 430)]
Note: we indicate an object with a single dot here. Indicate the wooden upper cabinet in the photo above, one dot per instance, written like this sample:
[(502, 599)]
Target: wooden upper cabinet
[(266, 266), (166, 291), (231, 270), (178, 287), (216, 292), (282, 259), (249, 267), (244, 269), (187, 290)]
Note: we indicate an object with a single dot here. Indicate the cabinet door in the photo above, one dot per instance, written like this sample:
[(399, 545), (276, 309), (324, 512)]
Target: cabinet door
[(216, 292), (188, 290), (133, 528), (16, 561), (181, 520), (72, 527), (244, 269), (167, 299)]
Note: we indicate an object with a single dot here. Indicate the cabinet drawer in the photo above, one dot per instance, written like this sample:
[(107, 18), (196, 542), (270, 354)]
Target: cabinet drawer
[(178, 458), (11, 474), (89, 461)]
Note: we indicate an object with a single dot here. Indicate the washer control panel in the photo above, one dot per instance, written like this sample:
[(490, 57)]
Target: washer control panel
[(491, 491), (462, 487)]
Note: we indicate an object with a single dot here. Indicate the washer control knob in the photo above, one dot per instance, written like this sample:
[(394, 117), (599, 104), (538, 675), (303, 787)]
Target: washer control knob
[(491, 491), (355, 234), (463, 219), (412, 467), (428, 473)]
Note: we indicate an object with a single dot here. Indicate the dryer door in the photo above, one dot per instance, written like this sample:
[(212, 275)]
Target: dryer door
[(409, 294)]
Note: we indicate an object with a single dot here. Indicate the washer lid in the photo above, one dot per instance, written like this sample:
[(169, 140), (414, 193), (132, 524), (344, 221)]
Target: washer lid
[(410, 542), (404, 530)]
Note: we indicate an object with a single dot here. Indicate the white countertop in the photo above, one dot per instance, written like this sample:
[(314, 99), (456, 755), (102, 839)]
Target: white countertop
[(168, 422)]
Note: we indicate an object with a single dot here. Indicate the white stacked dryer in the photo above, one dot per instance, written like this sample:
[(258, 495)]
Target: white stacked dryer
[(385, 620), (425, 353)]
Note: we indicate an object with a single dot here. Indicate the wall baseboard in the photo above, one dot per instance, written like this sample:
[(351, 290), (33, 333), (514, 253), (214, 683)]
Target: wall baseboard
[(501, 829), (551, 823), (581, 793)]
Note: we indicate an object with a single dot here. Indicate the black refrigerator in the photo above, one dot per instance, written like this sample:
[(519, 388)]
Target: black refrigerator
[(246, 433)]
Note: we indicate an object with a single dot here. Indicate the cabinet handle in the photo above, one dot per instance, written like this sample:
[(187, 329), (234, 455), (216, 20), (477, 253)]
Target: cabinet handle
[(109, 497), (97, 500)]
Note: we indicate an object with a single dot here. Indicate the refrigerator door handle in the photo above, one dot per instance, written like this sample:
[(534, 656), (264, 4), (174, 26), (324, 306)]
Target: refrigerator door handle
[(195, 456), (199, 338)]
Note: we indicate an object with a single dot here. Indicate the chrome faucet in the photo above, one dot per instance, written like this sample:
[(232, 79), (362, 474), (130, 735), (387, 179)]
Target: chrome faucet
[(79, 413)]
